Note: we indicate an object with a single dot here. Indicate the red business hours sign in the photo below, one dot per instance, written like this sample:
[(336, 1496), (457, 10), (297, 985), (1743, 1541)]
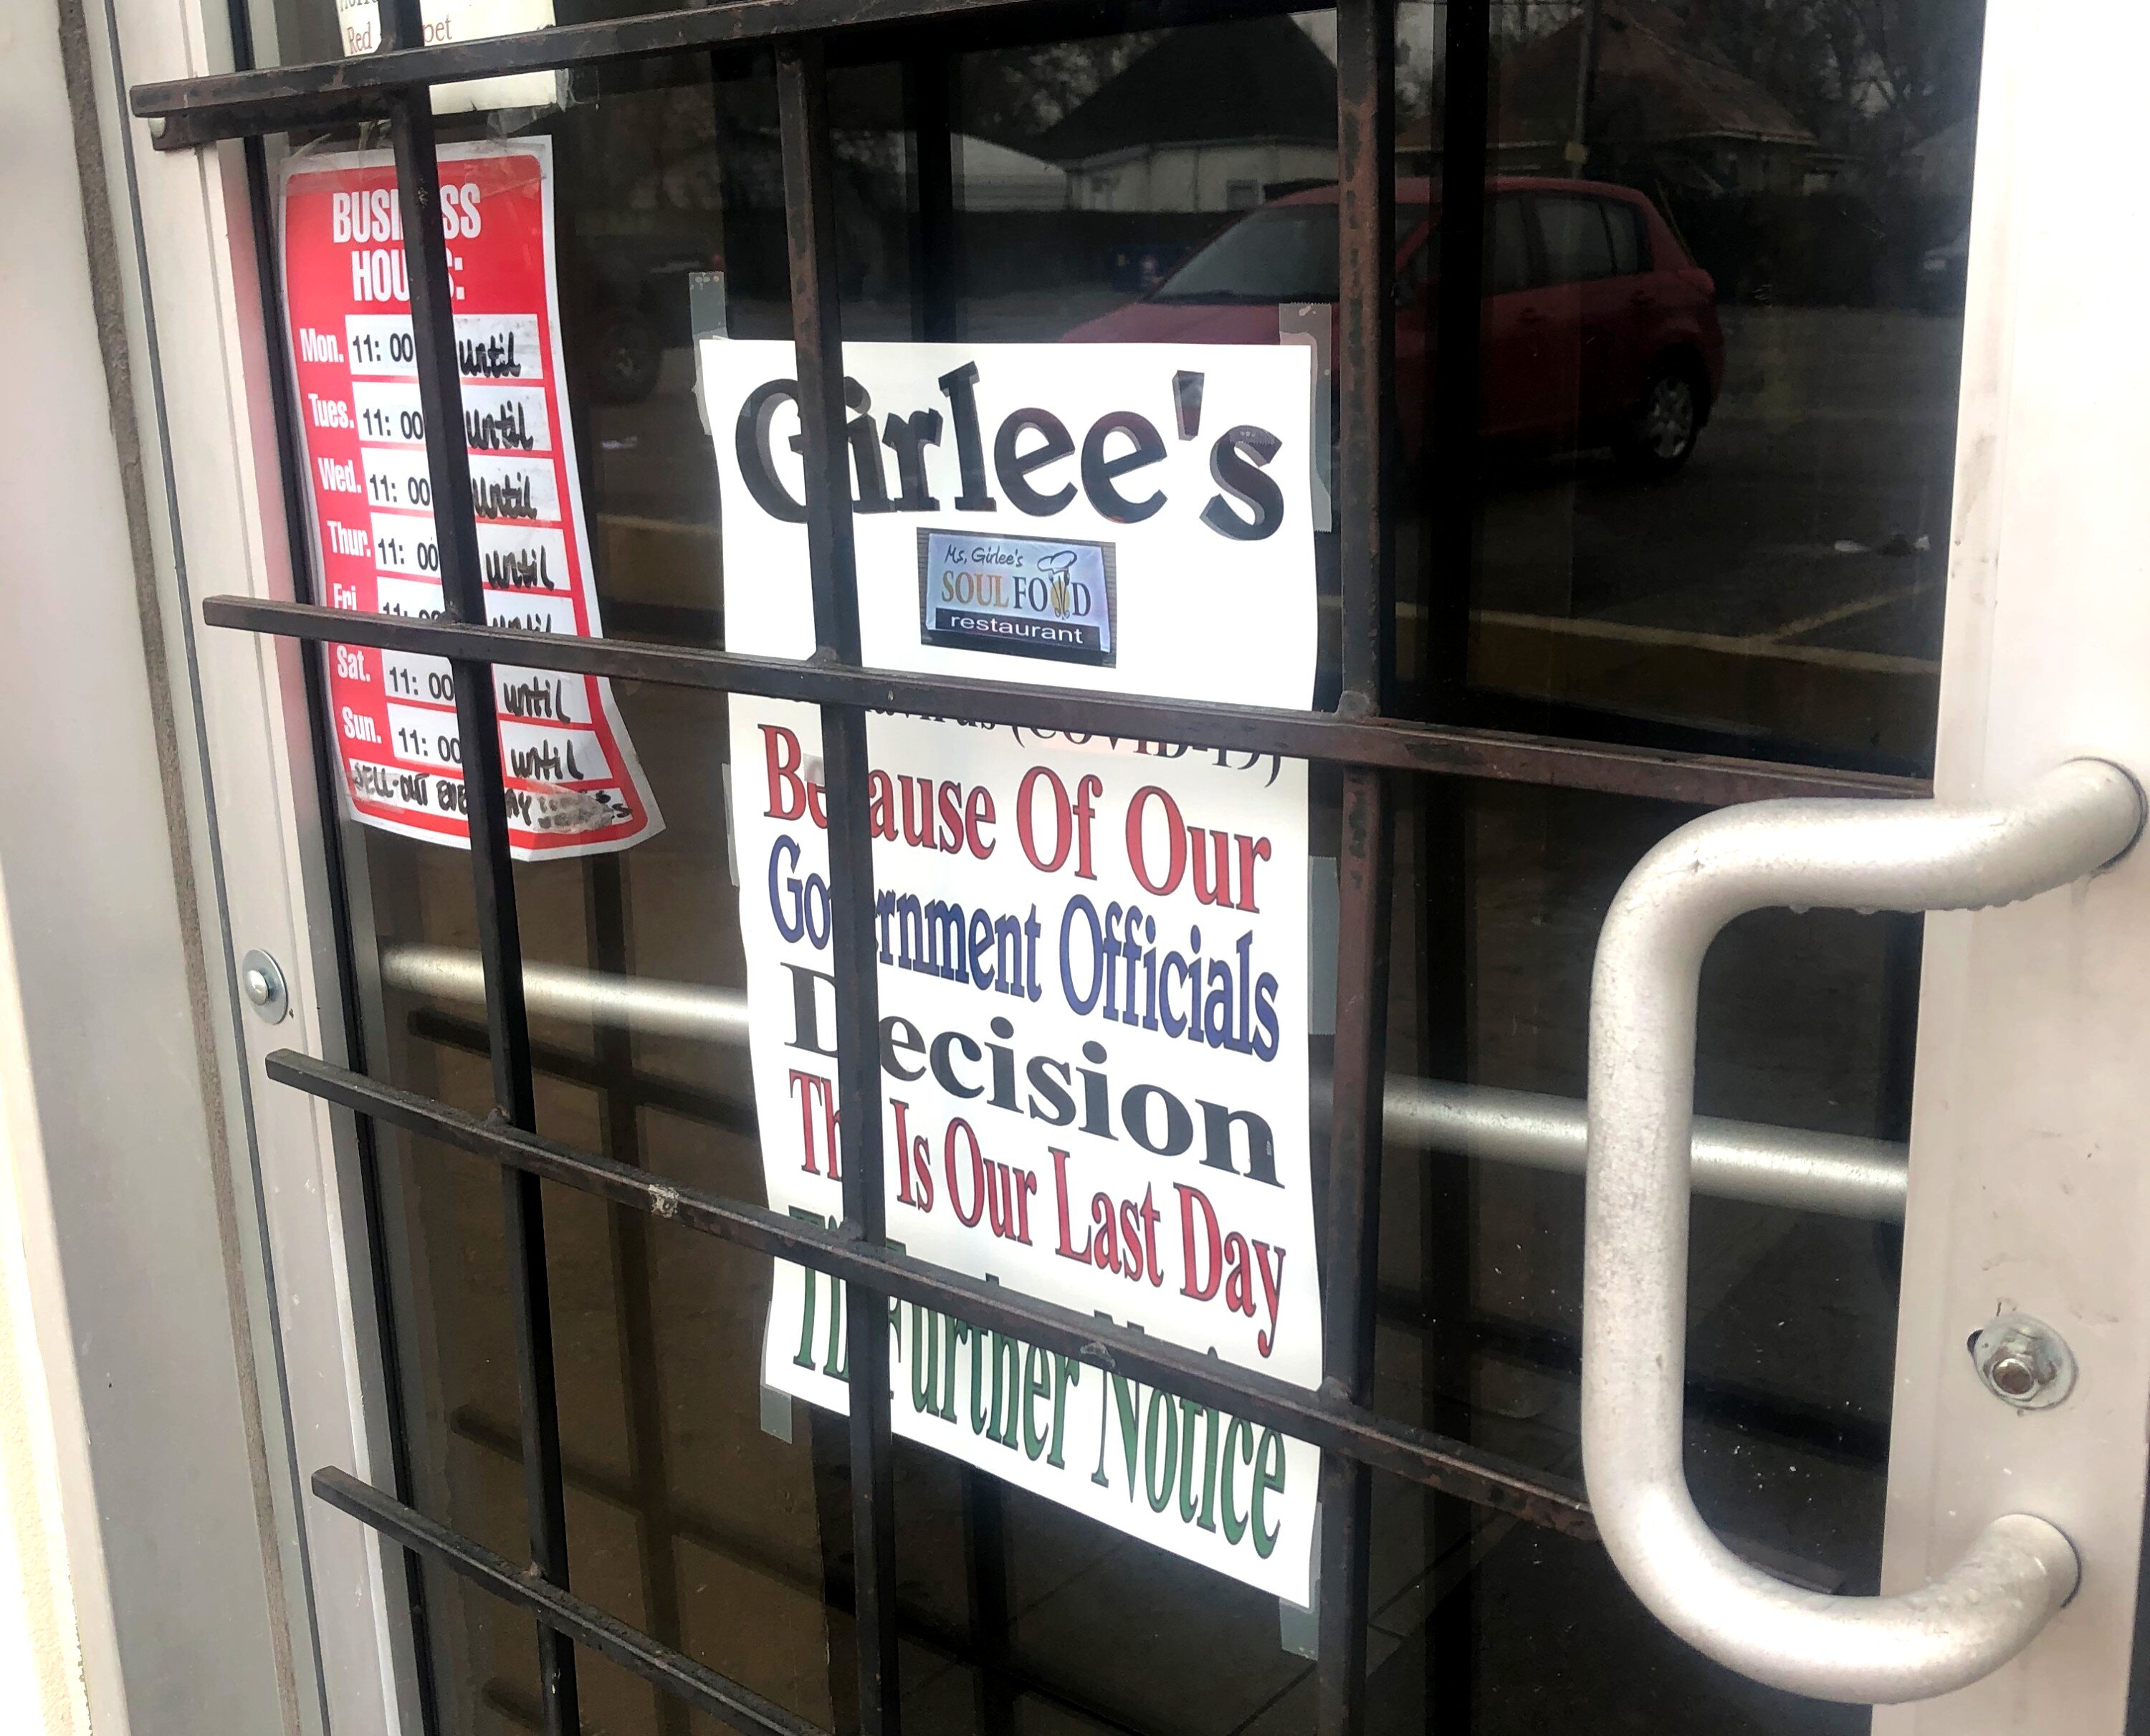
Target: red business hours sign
[(573, 784)]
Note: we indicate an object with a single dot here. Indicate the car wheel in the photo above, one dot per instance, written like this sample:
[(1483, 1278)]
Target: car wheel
[(1661, 430), (625, 361)]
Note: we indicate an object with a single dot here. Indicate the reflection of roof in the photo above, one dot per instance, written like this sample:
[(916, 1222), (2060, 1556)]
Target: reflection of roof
[(984, 157), (1653, 84), (992, 177), (1263, 78)]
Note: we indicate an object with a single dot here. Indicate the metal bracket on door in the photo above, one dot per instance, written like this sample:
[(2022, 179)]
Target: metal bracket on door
[(1916, 855)]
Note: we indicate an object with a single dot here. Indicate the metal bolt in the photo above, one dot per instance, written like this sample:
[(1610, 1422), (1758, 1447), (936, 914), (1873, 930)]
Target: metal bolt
[(2023, 1361), (261, 980)]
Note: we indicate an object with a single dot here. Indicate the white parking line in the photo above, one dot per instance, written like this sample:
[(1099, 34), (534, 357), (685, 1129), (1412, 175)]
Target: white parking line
[(1874, 663), (1842, 612)]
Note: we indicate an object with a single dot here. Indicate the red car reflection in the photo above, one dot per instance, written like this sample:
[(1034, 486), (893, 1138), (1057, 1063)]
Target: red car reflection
[(1597, 328)]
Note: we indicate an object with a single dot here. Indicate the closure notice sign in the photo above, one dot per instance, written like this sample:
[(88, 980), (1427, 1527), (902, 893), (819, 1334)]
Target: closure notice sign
[(1093, 952), (574, 785)]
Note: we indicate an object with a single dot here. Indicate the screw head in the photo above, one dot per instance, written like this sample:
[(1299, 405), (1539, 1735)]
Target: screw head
[(2015, 1374), (2023, 1362), (261, 980)]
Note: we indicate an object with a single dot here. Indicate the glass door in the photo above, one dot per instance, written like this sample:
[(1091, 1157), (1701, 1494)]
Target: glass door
[(1659, 368)]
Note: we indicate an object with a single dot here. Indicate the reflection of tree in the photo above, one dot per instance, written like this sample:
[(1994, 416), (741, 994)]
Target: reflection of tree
[(1517, 22), (1870, 77), (1011, 95), (625, 137), (1421, 45)]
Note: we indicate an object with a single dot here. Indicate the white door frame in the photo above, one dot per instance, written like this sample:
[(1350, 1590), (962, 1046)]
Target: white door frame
[(2030, 1152), (205, 399)]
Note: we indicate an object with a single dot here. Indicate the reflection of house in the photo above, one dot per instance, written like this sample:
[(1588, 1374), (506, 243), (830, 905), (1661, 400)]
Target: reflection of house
[(1941, 163), (1661, 107), (991, 177), (1204, 122)]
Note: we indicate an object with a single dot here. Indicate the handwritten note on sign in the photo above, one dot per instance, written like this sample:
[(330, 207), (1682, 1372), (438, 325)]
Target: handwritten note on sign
[(574, 785)]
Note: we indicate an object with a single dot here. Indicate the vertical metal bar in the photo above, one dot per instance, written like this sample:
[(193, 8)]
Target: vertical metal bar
[(986, 1583), (1451, 494), (810, 227), (1366, 351), (1586, 71), (1448, 1243), (829, 1450), (641, 1379), (1351, 1261), (500, 941), (929, 78), (936, 244), (1366, 359), (809, 224), (1451, 444)]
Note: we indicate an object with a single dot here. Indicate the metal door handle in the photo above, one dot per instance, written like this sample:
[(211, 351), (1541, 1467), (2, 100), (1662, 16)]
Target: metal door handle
[(1919, 856)]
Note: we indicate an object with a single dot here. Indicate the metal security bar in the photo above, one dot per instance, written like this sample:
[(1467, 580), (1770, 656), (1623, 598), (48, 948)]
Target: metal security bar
[(500, 940), (1367, 1436), (1356, 736), (1387, 744)]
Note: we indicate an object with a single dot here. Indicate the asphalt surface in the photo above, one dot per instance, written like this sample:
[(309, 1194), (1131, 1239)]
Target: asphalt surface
[(1814, 512)]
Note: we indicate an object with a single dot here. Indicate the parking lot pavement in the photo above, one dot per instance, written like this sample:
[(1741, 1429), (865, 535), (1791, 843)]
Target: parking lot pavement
[(1814, 512)]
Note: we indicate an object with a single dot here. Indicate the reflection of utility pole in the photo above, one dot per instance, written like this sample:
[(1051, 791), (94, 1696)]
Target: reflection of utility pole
[(1578, 149)]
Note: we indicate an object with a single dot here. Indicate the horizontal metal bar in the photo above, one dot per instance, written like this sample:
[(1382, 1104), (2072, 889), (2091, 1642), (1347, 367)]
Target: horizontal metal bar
[(562, 1611), (1837, 1173), (224, 105), (268, 99), (643, 1090), (827, 1581), (1393, 744), (1823, 1428), (1453, 1467), (1830, 1427)]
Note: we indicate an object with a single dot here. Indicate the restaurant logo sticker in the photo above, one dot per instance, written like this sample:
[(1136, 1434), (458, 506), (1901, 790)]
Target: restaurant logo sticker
[(1016, 595)]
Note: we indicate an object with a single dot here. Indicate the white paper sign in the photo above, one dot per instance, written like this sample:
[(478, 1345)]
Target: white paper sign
[(463, 21), (1093, 953)]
